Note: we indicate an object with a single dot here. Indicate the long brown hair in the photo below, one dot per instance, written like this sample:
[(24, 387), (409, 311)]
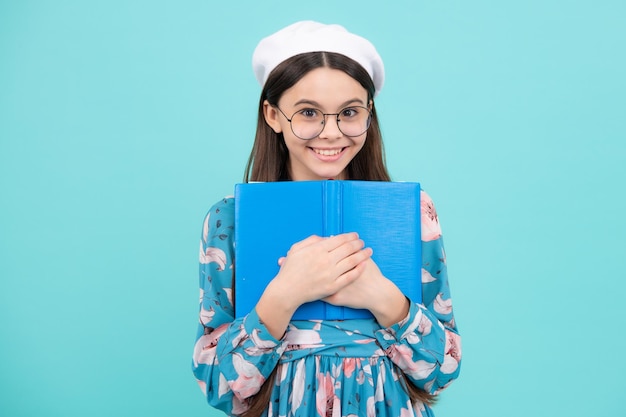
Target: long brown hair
[(269, 158)]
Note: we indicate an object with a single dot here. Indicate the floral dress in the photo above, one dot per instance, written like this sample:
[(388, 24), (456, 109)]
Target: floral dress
[(324, 368)]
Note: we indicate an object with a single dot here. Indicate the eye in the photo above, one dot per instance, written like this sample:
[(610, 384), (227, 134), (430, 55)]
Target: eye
[(309, 113), (349, 112)]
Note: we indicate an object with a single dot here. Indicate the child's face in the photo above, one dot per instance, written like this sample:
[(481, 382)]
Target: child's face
[(326, 155)]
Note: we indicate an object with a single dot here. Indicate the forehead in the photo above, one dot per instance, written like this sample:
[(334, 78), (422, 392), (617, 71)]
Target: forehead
[(329, 88)]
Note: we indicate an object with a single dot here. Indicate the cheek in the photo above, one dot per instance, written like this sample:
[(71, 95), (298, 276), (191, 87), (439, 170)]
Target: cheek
[(360, 143), (291, 142)]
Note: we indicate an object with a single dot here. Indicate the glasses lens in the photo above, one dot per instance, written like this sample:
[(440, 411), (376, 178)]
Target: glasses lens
[(354, 121), (309, 123)]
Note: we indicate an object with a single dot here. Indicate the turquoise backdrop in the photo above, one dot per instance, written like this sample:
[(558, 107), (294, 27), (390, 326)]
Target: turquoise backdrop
[(121, 122)]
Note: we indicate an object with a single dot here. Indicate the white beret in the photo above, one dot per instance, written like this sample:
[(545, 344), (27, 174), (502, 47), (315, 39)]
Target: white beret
[(310, 36)]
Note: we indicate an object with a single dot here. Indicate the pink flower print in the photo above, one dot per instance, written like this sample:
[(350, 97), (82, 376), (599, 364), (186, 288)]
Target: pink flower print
[(336, 407), (427, 277), (205, 228), (241, 336), (452, 357), (377, 352), (402, 356), (261, 343), (206, 315), (301, 339), (431, 229), (349, 365), (223, 386), (425, 325), (442, 306), (408, 411), (239, 407), (451, 324), (297, 391), (409, 334), (371, 407), (260, 346), (365, 374), (204, 350), (282, 374), (249, 378), (212, 254), (326, 401), (229, 295), (379, 395), (360, 377)]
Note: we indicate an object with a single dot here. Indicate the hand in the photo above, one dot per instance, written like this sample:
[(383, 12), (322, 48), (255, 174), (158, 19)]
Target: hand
[(362, 292), (373, 291), (317, 267)]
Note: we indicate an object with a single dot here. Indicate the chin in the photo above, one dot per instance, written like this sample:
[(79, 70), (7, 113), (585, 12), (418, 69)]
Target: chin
[(333, 175)]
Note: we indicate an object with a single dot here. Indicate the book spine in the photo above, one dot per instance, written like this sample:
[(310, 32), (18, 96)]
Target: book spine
[(333, 225), (331, 196)]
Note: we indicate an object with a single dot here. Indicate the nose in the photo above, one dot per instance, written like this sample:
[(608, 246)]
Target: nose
[(331, 129)]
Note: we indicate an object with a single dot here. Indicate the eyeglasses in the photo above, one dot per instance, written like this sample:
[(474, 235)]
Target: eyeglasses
[(309, 123)]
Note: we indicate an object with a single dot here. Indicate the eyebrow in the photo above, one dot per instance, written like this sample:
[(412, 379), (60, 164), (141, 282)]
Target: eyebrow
[(341, 106)]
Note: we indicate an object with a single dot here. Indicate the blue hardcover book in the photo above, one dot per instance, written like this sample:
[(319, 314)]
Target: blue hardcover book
[(271, 217)]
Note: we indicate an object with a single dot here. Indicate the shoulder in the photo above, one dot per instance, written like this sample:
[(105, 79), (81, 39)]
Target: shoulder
[(426, 202), (425, 198), (224, 207), (431, 229), (221, 215)]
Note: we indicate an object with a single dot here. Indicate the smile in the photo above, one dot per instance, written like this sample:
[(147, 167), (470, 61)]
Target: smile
[(327, 152)]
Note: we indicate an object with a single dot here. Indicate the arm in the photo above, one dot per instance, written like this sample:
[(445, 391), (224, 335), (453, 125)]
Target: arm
[(231, 357), (313, 268), (425, 345)]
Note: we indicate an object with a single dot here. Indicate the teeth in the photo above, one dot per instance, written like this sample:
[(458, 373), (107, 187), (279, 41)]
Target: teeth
[(327, 152)]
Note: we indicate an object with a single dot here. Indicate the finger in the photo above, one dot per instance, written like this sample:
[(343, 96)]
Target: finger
[(334, 242), (350, 275), (354, 260), (306, 242), (346, 249)]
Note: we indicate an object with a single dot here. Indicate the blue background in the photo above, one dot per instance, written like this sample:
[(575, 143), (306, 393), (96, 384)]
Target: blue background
[(121, 122)]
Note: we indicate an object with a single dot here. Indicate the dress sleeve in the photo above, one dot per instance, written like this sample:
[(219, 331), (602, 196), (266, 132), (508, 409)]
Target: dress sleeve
[(232, 357), (426, 345)]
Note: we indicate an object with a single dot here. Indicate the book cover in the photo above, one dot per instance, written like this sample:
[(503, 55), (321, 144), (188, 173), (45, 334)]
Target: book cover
[(271, 217)]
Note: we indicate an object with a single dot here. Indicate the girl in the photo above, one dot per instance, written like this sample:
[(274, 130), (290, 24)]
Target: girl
[(317, 120)]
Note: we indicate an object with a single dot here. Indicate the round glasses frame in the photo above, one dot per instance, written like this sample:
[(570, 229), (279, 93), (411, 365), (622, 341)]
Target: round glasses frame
[(323, 123)]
